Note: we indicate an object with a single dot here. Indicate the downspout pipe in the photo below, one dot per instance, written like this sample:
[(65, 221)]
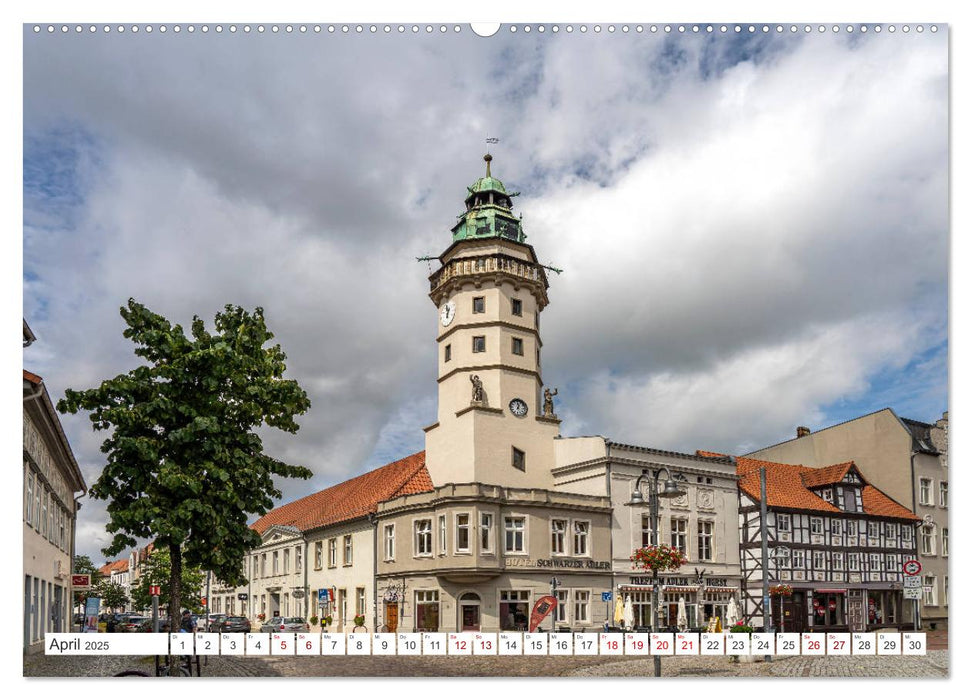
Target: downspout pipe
[(373, 520)]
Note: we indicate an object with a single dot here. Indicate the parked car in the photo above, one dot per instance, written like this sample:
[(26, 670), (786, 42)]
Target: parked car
[(146, 625), (285, 624), (215, 619), (234, 624), (131, 623)]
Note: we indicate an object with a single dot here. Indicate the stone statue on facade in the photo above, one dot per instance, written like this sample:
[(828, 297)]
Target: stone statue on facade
[(477, 393), (548, 402)]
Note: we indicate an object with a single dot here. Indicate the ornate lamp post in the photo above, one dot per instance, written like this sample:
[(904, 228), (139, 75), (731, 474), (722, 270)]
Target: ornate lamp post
[(672, 489)]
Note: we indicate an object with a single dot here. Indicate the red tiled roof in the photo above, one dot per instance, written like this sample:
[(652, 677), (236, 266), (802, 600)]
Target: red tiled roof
[(832, 474), (786, 487), (32, 378), (114, 566), (352, 499)]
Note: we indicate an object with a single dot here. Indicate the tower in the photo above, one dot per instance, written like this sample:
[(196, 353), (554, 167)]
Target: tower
[(490, 291)]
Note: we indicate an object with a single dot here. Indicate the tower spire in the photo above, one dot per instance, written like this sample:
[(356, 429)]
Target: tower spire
[(488, 161)]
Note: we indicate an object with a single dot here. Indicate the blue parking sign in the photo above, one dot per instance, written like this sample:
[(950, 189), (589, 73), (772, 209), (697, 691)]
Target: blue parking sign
[(607, 596)]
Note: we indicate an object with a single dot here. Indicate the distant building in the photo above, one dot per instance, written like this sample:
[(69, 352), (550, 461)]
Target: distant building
[(907, 460), (118, 573), (52, 484), (836, 539)]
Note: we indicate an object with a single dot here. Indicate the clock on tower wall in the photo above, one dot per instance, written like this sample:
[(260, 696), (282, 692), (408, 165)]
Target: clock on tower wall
[(488, 294)]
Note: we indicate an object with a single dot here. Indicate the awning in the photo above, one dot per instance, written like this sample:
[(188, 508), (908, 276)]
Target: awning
[(679, 589), (829, 590), (720, 589)]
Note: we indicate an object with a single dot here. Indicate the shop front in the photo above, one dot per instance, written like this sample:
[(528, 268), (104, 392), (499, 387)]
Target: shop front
[(701, 603)]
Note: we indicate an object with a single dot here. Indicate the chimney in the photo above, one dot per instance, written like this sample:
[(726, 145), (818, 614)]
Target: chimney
[(802, 431)]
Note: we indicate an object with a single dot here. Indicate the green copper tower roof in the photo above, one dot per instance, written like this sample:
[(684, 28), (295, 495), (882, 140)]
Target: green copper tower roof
[(488, 211)]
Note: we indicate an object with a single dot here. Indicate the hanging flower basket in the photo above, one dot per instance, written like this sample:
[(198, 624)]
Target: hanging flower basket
[(658, 558), (261, 617), (326, 621), (782, 589)]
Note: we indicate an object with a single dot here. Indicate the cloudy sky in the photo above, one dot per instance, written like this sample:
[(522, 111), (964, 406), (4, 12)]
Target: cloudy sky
[(753, 227)]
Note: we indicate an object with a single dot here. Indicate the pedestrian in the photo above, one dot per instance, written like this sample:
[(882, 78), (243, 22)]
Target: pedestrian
[(187, 624)]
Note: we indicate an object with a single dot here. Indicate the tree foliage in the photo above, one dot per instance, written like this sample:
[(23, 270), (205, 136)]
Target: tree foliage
[(112, 594), (185, 465), (157, 571)]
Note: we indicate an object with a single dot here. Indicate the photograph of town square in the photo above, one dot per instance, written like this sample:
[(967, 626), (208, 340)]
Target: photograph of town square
[(402, 329)]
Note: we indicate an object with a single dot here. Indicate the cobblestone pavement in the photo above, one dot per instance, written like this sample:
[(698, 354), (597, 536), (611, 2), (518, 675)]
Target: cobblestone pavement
[(934, 665)]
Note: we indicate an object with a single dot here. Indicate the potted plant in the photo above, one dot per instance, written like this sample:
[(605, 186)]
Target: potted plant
[(358, 621), (741, 627), (314, 620)]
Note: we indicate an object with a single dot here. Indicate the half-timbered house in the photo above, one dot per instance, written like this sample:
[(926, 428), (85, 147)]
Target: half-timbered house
[(836, 540)]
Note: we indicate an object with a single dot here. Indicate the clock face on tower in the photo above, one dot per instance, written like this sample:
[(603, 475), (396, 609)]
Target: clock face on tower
[(518, 407), (448, 313)]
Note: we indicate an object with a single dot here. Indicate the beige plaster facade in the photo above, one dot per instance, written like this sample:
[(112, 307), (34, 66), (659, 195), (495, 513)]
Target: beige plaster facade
[(52, 482), (477, 556), (703, 522), (905, 459)]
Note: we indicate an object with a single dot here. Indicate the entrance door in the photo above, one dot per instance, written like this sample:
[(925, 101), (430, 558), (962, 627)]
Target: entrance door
[(391, 616), (854, 614), (470, 618)]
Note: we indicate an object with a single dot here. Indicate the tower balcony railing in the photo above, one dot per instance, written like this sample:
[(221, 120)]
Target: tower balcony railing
[(484, 264)]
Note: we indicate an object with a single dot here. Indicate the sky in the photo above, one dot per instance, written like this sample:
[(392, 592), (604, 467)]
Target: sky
[(752, 227)]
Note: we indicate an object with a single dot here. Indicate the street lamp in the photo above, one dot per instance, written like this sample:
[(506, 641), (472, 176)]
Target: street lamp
[(672, 489)]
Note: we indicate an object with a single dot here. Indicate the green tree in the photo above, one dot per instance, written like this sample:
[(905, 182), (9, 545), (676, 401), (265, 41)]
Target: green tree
[(112, 594), (157, 571), (185, 465)]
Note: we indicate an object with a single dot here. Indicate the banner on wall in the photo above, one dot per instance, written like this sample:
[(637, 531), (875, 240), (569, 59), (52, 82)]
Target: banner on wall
[(544, 606)]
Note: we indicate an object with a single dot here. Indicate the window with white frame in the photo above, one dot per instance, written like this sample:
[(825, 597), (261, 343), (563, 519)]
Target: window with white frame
[(706, 529), (943, 541), (943, 495), (679, 534), (558, 536), (646, 531), (515, 534), (783, 557), (332, 553), (874, 561), (389, 542), (286, 561), (298, 558), (851, 528), (837, 561), (360, 598), (890, 531), (930, 589), (945, 589), (798, 559), (928, 535), (889, 561), (348, 550), (836, 527), (819, 560), (828, 495), (485, 532), (562, 606), (581, 606), (873, 530), (816, 526), (28, 510), (442, 535), (926, 497), (853, 561), (907, 535), (463, 529), (581, 534), (318, 555), (276, 562), (423, 537), (783, 522)]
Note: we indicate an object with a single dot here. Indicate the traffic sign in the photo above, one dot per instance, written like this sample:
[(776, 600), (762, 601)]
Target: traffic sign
[(912, 594), (155, 590), (242, 596), (912, 567), (912, 582), (607, 596)]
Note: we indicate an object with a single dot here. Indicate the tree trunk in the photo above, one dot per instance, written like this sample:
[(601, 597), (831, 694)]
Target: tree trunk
[(175, 599)]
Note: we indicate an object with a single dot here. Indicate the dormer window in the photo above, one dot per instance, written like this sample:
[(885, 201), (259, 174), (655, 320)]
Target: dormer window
[(828, 495)]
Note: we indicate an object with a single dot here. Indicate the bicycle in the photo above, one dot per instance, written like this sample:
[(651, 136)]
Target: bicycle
[(184, 669)]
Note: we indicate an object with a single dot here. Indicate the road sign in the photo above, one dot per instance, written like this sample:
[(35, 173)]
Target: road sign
[(607, 596), (81, 580), (912, 567), (155, 590), (242, 596), (912, 594), (912, 582)]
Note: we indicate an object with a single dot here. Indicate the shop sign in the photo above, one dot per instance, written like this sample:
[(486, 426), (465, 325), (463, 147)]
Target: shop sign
[(557, 563)]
